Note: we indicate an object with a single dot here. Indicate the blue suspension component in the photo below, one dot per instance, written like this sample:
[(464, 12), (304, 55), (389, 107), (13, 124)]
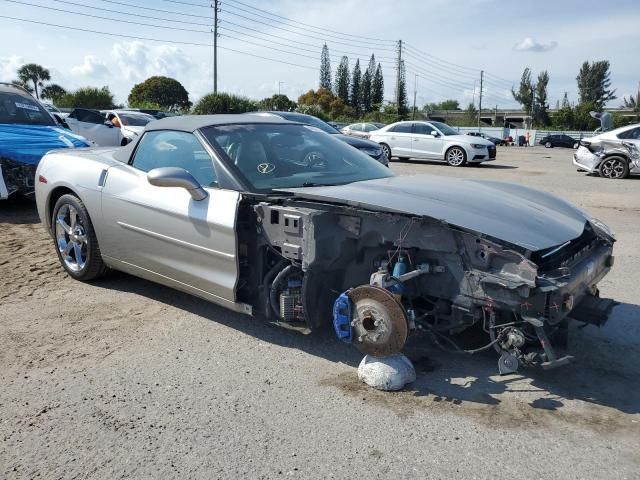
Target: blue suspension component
[(342, 308), (399, 269)]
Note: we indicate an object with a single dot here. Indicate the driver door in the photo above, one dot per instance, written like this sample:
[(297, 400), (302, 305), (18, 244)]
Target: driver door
[(162, 233)]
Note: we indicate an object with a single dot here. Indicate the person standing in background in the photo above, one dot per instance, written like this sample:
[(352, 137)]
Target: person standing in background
[(527, 137)]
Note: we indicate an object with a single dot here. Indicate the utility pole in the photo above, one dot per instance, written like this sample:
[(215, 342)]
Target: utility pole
[(279, 83), (415, 90), (480, 101), (216, 8), (533, 107), (398, 78)]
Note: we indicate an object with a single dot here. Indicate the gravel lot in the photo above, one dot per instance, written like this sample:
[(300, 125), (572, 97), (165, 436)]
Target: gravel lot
[(127, 379)]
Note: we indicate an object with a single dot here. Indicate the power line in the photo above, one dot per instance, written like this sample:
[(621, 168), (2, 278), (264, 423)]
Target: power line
[(161, 40), (187, 3), (106, 18), (132, 14), (307, 35), (172, 12), (313, 26)]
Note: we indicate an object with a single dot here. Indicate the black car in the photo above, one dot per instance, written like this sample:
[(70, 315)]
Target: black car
[(366, 146), (559, 140), (494, 140)]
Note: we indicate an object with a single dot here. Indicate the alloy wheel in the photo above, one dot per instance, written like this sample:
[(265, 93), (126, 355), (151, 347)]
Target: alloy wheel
[(71, 238), (455, 157), (386, 150), (613, 168)]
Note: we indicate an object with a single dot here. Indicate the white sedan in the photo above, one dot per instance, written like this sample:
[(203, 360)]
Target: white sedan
[(93, 125), (432, 141)]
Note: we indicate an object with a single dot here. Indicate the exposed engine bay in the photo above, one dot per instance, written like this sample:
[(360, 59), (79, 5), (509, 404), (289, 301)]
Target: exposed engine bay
[(380, 276)]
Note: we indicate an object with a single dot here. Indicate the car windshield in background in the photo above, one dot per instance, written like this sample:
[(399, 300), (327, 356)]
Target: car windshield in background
[(272, 156), (309, 120), (445, 129), (132, 120), (21, 109)]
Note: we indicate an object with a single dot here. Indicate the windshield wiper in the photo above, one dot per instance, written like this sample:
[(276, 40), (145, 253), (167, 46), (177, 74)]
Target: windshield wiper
[(312, 184)]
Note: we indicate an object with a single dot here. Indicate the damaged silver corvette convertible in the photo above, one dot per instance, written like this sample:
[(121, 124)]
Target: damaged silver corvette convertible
[(278, 219)]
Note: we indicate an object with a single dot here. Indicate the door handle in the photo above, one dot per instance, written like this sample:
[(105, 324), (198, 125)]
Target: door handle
[(393, 138)]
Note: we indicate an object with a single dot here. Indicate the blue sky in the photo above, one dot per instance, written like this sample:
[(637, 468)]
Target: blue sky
[(449, 43)]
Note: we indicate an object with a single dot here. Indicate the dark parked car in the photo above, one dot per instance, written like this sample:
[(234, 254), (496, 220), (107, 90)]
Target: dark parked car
[(366, 146), (27, 132), (559, 140), (494, 140)]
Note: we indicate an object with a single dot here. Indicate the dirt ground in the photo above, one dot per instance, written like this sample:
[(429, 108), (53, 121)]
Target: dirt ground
[(123, 378)]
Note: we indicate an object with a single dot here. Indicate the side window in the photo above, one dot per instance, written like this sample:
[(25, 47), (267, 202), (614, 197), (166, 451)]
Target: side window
[(423, 129), (402, 128), (166, 148), (356, 127), (632, 134), (89, 116)]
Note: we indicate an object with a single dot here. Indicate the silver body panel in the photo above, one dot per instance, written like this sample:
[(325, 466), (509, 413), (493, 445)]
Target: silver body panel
[(157, 233)]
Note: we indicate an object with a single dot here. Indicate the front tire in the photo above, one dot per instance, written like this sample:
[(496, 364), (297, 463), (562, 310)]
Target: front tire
[(614, 168), (75, 239), (548, 145), (456, 157), (576, 145)]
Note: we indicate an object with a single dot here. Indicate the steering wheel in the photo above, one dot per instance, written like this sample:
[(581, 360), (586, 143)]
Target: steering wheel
[(314, 159)]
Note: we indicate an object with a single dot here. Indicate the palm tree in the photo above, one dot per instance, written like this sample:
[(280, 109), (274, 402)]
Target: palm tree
[(53, 92), (34, 73)]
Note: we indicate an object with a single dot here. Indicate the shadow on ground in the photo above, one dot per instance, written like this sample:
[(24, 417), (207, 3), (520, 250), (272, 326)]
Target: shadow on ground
[(443, 377), (18, 210)]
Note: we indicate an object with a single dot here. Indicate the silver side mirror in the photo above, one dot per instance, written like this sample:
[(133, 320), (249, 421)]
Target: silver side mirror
[(435, 134), (177, 177)]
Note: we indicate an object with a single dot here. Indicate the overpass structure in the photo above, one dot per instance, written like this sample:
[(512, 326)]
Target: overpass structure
[(507, 118)]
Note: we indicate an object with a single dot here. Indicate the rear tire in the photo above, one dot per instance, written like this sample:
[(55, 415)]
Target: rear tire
[(75, 239), (548, 145), (386, 149), (614, 168), (456, 157)]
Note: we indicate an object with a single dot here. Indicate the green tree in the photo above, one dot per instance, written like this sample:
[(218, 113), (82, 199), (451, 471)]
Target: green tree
[(53, 92), (88, 97), (34, 73), (525, 94), (632, 102), (541, 107), (356, 88), (401, 100), (223, 103), (377, 87), (342, 82), (164, 91), (471, 114), (332, 106), (19, 83), (281, 103), (594, 84), (449, 104), (582, 119), (365, 97), (325, 68)]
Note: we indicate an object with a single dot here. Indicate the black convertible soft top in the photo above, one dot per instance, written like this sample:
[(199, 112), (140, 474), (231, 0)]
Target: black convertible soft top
[(191, 123)]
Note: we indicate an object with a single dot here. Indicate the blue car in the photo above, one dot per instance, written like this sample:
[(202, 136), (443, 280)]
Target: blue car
[(27, 132)]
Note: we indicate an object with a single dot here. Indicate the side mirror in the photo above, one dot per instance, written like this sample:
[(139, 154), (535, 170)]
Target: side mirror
[(435, 134), (177, 177), (108, 123)]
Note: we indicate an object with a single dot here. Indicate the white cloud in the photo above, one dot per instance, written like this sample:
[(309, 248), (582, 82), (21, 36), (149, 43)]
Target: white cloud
[(9, 66), (530, 44), (138, 61), (91, 67)]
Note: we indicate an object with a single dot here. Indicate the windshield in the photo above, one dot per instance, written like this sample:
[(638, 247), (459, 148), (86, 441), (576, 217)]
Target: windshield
[(445, 129), (272, 156), (309, 120), (133, 120), (22, 109)]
